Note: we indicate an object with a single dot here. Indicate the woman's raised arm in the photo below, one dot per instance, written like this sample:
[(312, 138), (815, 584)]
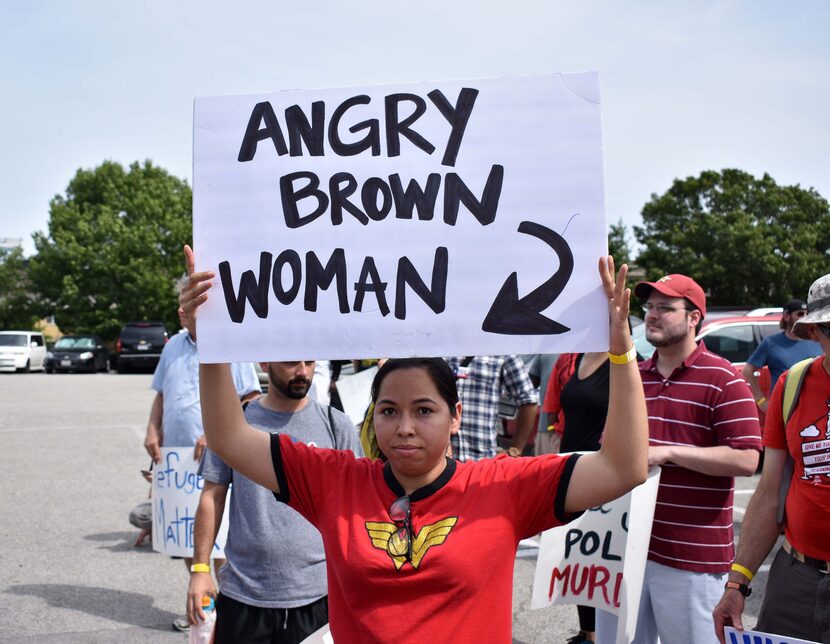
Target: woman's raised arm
[(243, 448), (622, 462)]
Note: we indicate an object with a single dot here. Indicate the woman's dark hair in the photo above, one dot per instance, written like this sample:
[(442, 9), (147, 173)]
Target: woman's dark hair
[(437, 368)]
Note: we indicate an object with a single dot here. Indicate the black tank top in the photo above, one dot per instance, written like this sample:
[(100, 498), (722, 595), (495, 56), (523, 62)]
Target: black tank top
[(585, 406)]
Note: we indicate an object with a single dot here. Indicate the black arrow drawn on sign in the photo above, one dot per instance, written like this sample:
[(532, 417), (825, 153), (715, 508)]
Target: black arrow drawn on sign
[(510, 315)]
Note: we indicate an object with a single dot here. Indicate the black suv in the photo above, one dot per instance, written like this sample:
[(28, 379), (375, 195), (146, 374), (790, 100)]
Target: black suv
[(140, 344)]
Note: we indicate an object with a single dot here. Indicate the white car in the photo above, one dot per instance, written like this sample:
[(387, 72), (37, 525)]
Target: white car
[(22, 351), (734, 338)]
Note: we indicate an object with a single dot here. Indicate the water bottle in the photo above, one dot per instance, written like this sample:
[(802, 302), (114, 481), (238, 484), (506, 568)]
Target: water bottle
[(201, 633)]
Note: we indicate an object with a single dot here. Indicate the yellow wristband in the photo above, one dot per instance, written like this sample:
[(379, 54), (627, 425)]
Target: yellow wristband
[(743, 570), (761, 401), (623, 358), (200, 568)]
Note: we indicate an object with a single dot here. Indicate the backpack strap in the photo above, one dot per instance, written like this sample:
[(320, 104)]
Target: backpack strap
[(331, 429), (792, 389)]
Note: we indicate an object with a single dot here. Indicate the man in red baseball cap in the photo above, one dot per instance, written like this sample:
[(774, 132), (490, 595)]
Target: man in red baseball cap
[(673, 287), (703, 431)]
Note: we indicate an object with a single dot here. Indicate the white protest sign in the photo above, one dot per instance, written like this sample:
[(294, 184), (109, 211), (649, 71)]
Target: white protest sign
[(175, 490), (356, 393), (446, 218), (600, 558), (757, 637)]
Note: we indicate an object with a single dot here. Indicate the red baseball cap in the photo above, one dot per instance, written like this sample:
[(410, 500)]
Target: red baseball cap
[(675, 285)]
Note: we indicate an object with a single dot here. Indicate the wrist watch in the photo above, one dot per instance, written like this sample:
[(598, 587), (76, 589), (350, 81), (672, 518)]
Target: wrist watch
[(514, 452), (745, 590)]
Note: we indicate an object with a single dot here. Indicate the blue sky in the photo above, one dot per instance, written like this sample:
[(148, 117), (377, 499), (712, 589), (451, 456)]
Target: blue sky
[(687, 86)]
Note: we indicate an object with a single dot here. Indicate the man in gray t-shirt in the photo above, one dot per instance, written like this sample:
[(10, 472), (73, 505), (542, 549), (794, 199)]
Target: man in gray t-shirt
[(273, 586)]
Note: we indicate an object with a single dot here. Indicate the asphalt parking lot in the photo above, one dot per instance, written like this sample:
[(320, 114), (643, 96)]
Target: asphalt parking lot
[(70, 473)]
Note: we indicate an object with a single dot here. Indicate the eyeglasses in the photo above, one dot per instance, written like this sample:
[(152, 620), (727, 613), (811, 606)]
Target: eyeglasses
[(824, 329), (799, 313), (662, 309), (400, 543)]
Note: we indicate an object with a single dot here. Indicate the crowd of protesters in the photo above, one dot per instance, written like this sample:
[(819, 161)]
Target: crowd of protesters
[(390, 546)]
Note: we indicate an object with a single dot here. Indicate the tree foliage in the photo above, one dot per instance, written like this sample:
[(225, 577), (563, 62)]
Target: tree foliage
[(746, 241), (113, 250), (618, 243), (17, 307)]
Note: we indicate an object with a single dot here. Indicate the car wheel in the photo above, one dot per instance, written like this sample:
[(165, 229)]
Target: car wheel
[(28, 367), (49, 370)]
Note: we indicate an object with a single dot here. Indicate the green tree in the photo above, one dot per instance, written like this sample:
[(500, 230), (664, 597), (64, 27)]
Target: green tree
[(746, 241), (618, 243), (17, 305), (113, 251)]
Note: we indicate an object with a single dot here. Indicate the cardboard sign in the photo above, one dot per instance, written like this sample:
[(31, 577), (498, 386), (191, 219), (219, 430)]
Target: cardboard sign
[(321, 636), (757, 637), (600, 558), (447, 218), (176, 489), (356, 393)]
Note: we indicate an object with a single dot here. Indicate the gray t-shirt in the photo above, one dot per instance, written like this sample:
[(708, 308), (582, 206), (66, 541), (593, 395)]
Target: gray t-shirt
[(275, 558)]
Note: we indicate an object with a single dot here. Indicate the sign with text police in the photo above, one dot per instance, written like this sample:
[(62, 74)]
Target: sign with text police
[(599, 559), (446, 218), (176, 489)]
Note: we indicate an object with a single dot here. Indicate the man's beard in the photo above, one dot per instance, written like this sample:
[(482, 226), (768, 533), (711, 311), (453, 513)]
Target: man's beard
[(668, 337), (296, 388)]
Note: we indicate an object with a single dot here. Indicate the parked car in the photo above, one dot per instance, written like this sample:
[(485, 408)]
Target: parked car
[(139, 345), (733, 338), (22, 351), (767, 310), (78, 352)]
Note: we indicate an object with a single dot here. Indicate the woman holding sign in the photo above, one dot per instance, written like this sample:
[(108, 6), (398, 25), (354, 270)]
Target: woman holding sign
[(422, 548)]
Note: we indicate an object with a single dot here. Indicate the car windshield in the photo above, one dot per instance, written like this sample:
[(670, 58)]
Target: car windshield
[(641, 345), (75, 343), (12, 340), (138, 332)]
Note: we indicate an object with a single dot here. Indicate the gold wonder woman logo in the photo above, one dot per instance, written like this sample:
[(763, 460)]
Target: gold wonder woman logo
[(382, 538)]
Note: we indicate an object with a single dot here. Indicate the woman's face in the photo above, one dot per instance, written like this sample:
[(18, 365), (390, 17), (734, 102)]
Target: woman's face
[(413, 425)]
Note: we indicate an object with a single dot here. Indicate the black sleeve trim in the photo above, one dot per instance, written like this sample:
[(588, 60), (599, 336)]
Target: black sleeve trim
[(276, 457), (562, 491)]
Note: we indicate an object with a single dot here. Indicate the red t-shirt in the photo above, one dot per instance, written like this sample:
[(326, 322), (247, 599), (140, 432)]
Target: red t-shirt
[(703, 403), (466, 528), (562, 372), (808, 441)]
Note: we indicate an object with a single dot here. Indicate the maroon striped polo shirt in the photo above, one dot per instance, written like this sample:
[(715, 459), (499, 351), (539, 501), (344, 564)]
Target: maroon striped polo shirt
[(704, 403)]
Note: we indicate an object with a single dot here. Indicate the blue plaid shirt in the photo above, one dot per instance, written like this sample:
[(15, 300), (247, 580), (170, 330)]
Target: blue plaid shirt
[(479, 393)]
